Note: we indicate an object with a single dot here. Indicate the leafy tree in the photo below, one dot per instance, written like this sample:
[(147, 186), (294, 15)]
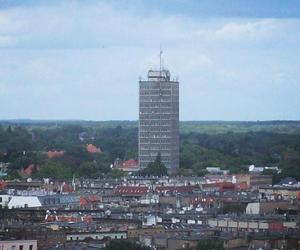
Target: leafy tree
[(235, 208), (52, 169), (290, 163), (116, 173), (24, 160), (210, 244), (184, 172), (87, 169), (156, 168), (229, 145), (125, 245), (21, 162)]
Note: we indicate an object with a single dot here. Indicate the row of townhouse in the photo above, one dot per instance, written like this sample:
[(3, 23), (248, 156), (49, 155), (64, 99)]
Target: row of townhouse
[(252, 225)]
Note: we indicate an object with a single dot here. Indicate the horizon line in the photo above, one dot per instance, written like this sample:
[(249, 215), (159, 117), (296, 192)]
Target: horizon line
[(128, 120)]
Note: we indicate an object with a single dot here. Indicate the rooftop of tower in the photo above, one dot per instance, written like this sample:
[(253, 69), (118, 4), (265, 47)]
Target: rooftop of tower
[(159, 75)]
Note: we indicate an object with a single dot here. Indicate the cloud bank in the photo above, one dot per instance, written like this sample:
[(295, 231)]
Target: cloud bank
[(82, 60)]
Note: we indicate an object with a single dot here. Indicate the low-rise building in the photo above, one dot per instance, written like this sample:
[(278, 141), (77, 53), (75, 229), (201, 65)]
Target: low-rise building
[(81, 236), (251, 224), (18, 245), (176, 189), (4, 199), (136, 232), (266, 207), (130, 165), (258, 180), (24, 202), (131, 191), (280, 192)]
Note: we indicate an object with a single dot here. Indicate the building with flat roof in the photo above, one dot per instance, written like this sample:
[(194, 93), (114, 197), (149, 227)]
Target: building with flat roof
[(159, 119), (18, 244)]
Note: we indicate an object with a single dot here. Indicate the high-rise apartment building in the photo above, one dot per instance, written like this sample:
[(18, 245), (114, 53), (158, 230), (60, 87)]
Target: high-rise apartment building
[(159, 119)]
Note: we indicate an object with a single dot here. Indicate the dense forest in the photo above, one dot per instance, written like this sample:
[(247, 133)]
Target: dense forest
[(229, 145)]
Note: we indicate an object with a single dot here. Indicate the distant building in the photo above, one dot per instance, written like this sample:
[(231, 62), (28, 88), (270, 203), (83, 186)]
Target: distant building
[(90, 148), (259, 224), (3, 169), (288, 181), (60, 200), (258, 180), (55, 154), (215, 170), (132, 191), (4, 199), (253, 169), (260, 169), (176, 189), (280, 192), (81, 236), (159, 119), (218, 186), (18, 244), (253, 180), (269, 207), (130, 165), (24, 202)]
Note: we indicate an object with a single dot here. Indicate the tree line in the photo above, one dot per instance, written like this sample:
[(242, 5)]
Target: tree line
[(22, 146)]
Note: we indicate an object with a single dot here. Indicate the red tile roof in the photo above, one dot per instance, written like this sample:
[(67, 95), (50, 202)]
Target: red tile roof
[(243, 186), (129, 163), (28, 170), (2, 184), (86, 200), (131, 190), (54, 154), (199, 200), (92, 148), (221, 186)]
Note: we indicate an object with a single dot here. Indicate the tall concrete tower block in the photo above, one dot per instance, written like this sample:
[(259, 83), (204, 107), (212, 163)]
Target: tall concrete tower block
[(159, 119)]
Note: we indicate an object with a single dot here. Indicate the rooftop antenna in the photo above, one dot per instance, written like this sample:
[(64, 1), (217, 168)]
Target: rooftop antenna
[(160, 57)]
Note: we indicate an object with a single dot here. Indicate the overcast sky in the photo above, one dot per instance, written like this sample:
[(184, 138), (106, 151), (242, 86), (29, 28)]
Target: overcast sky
[(236, 60)]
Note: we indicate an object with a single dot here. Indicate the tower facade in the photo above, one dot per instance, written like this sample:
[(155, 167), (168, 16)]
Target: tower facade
[(159, 119)]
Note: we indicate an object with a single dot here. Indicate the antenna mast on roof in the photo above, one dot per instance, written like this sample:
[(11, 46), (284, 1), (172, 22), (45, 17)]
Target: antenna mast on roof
[(160, 55)]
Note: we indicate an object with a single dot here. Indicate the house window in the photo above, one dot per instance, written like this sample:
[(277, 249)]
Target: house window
[(13, 248), (21, 247), (30, 247), (71, 238)]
